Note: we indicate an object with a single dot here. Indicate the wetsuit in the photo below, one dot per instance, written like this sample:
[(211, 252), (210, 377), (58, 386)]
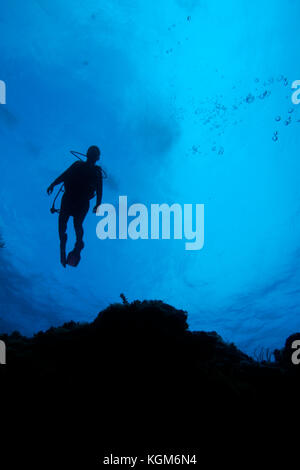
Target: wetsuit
[(81, 182)]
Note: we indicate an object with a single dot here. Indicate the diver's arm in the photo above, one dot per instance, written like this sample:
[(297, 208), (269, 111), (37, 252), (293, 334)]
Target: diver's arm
[(59, 180), (99, 189)]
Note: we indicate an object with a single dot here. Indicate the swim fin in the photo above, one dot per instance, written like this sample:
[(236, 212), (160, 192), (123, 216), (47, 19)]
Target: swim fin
[(73, 258), (74, 255)]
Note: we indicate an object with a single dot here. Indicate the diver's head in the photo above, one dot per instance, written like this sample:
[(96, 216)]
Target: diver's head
[(93, 154)]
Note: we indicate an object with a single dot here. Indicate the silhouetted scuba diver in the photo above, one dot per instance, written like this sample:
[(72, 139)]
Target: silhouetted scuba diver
[(81, 181)]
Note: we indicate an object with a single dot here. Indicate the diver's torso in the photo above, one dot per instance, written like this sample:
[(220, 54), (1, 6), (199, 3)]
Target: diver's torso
[(81, 181)]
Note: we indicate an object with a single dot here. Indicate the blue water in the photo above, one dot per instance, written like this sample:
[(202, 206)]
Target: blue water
[(182, 97)]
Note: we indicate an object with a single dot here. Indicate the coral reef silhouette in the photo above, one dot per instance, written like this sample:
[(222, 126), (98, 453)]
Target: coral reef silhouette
[(136, 377)]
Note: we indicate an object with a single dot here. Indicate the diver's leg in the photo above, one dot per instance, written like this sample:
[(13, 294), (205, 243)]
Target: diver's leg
[(62, 229), (78, 218), (78, 226)]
